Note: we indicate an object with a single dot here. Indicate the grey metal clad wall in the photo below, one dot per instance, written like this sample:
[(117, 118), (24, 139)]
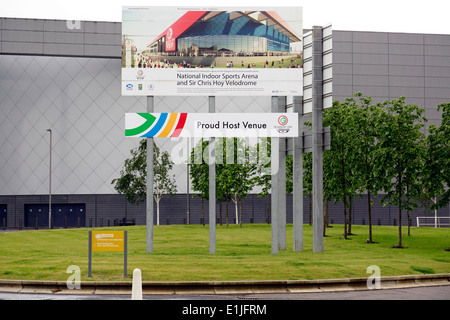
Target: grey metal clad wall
[(437, 71), (80, 100), (60, 37), (78, 97), (327, 51), (390, 65), (52, 76)]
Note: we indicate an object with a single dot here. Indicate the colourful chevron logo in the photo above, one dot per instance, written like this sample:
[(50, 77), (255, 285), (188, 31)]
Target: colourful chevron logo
[(159, 125)]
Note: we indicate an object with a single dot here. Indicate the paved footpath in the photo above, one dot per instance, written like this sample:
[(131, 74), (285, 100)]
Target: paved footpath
[(418, 293)]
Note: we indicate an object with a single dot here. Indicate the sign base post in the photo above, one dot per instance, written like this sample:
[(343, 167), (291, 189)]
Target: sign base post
[(108, 241)]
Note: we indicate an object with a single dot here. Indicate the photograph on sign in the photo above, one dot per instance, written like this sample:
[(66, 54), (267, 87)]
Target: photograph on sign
[(174, 125), (224, 51)]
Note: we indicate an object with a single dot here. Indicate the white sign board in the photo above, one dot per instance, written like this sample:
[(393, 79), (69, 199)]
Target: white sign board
[(173, 125), (212, 51)]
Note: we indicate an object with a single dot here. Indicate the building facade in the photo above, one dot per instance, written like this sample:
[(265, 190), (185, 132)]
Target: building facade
[(65, 76)]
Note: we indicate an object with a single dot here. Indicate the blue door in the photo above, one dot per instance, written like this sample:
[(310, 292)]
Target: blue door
[(36, 215), (67, 215), (74, 215), (3, 215)]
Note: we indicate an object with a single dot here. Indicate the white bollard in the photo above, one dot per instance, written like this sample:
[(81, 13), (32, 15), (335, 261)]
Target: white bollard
[(136, 291)]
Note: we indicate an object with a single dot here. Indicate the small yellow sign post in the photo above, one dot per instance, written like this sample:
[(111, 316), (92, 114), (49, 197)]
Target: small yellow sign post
[(108, 241)]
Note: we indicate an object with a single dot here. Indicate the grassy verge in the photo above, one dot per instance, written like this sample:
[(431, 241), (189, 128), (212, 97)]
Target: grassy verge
[(181, 253), (286, 63)]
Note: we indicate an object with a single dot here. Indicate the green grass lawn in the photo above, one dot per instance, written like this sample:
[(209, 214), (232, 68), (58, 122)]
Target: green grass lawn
[(286, 63), (181, 253)]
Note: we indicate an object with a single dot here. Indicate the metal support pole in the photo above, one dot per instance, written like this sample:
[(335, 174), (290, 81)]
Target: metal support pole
[(274, 151), (125, 254), (90, 254), (188, 205), (50, 184), (149, 213), (274, 194), (212, 184), (297, 211), (282, 183), (317, 127)]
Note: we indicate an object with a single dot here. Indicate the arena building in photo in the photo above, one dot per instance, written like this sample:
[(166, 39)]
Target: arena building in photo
[(220, 33), (211, 38), (65, 76)]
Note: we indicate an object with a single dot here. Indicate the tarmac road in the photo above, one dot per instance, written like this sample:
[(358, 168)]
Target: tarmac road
[(393, 302)]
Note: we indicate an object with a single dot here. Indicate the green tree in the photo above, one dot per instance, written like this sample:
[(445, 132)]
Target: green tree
[(339, 178), (163, 183), (289, 173), (366, 119), (199, 172), (262, 178), (437, 164), (224, 178), (133, 177), (307, 181), (400, 150), (235, 172), (262, 171)]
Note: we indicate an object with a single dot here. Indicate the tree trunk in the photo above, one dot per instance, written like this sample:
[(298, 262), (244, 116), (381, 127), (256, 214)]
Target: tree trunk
[(310, 209), (325, 220), (400, 225), (220, 210), (409, 224), (226, 209), (236, 209), (240, 212), (407, 214), (157, 212), (345, 218), (370, 216), (349, 232), (203, 213), (343, 193), (400, 213)]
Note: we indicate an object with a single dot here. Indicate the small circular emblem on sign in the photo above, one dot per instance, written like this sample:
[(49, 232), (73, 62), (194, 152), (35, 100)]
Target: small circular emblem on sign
[(283, 120)]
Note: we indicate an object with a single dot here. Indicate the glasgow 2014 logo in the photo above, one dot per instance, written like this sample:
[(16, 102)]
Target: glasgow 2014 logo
[(140, 75), (283, 128), (283, 120)]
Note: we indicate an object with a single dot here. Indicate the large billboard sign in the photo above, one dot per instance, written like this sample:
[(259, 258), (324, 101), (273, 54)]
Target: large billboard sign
[(174, 125), (169, 51)]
